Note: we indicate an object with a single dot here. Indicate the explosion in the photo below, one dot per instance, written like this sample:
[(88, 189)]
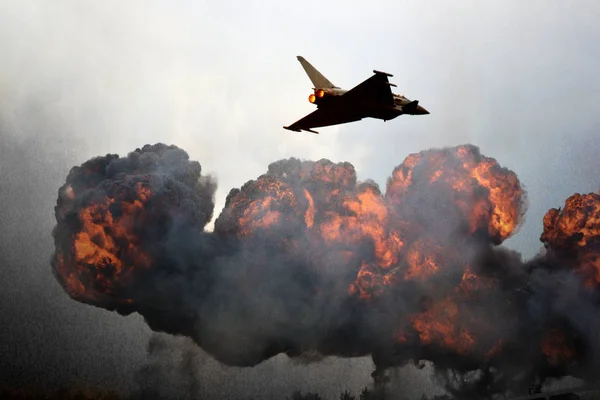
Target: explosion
[(573, 233), (307, 259), (115, 217)]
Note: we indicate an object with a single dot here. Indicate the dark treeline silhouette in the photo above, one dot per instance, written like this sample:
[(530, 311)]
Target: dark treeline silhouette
[(74, 393), (365, 394), (66, 393)]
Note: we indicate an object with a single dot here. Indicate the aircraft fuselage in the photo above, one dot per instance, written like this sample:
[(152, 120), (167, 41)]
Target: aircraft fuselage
[(331, 98)]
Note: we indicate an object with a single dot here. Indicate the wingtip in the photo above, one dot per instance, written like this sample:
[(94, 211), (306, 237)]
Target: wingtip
[(382, 73), (300, 129)]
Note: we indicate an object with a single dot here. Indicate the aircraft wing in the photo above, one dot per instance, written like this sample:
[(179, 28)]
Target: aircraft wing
[(375, 90), (323, 117)]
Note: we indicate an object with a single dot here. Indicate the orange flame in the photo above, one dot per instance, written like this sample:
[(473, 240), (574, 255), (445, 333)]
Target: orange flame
[(105, 251), (574, 232), (309, 217), (439, 324), (421, 261), (488, 195), (263, 207)]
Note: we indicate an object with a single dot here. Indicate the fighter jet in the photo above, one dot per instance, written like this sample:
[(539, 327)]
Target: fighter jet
[(373, 98)]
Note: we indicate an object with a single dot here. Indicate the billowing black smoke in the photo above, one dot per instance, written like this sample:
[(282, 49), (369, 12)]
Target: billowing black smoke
[(306, 259)]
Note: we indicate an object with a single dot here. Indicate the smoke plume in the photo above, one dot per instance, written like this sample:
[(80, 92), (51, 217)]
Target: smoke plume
[(307, 261)]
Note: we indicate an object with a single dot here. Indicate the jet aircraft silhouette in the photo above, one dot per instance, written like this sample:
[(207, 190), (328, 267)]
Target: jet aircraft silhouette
[(372, 98)]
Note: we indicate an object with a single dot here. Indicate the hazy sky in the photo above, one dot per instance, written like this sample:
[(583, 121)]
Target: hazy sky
[(219, 79)]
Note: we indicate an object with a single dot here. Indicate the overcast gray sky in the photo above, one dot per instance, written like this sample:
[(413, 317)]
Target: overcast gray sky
[(219, 79)]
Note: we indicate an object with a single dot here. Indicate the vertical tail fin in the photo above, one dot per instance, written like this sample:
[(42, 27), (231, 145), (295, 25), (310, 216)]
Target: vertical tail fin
[(315, 76)]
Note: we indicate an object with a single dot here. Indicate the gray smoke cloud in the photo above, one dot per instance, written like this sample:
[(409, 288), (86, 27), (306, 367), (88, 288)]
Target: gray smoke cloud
[(307, 260)]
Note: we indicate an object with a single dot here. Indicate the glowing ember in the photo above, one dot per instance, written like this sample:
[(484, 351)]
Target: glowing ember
[(557, 349)]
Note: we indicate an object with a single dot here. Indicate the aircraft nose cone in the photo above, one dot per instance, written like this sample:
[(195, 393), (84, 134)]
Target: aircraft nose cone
[(421, 111)]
